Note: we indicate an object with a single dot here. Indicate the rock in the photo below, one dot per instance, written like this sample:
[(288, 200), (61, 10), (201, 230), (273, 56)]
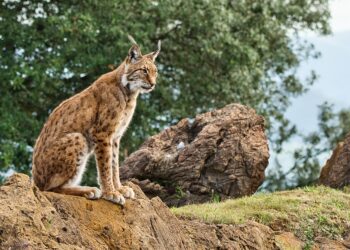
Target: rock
[(287, 240), (221, 154), (322, 243), (336, 172), (31, 219), (251, 235)]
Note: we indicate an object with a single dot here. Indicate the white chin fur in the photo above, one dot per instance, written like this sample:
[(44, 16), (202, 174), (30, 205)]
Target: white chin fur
[(137, 86), (143, 91), (124, 80)]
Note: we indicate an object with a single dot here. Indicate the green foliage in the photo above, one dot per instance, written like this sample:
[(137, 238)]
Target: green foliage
[(214, 53), (179, 193), (333, 126), (215, 197)]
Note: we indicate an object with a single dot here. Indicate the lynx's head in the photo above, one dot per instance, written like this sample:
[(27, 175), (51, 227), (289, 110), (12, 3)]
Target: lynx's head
[(140, 72)]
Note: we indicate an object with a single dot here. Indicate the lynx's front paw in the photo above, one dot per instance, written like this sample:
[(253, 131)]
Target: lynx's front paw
[(127, 192), (114, 197)]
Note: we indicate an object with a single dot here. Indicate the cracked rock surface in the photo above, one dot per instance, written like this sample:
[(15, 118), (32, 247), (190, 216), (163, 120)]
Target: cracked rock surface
[(31, 219), (336, 172), (222, 153)]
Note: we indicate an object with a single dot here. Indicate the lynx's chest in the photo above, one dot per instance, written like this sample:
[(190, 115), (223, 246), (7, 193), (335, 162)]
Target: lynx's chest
[(125, 119)]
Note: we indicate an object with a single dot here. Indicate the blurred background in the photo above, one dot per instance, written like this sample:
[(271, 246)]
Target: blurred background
[(285, 58)]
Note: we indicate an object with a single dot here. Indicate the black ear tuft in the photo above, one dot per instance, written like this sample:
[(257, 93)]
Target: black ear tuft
[(134, 53), (132, 40), (154, 54)]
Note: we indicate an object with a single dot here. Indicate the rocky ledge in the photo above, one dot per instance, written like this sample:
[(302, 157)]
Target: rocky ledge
[(31, 219)]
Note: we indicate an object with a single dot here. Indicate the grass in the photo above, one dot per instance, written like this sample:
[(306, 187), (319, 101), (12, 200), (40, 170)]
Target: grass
[(308, 212)]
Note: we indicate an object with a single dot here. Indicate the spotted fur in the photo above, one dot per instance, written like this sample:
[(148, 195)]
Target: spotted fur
[(93, 122)]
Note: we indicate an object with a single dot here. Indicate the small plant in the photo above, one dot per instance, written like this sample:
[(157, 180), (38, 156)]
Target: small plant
[(263, 217), (47, 222), (179, 193), (309, 234), (322, 220), (346, 189), (215, 197)]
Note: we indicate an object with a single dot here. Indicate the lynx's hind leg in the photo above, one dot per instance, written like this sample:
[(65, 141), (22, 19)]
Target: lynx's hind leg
[(68, 166), (91, 193)]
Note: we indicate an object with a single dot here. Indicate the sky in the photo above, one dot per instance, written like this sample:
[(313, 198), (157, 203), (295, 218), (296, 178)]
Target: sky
[(333, 69)]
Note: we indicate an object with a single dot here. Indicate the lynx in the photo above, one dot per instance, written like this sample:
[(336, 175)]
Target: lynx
[(93, 122)]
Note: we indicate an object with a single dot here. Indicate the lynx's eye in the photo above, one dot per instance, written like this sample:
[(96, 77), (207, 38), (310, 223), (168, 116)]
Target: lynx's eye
[(145, 71)]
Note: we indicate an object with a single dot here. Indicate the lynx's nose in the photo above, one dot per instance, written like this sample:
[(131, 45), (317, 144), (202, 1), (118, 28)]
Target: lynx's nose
[(152, 82)]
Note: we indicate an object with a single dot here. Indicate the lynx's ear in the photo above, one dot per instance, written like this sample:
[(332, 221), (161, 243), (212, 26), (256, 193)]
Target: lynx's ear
[(134, 52), (154, 54)]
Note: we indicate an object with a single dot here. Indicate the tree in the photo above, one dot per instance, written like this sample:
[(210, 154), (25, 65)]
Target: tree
[(214, 53), (333, 126)]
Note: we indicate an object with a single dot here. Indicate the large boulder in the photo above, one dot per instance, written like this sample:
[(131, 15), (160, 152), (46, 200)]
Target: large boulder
[(336, 172), (217, 155)]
